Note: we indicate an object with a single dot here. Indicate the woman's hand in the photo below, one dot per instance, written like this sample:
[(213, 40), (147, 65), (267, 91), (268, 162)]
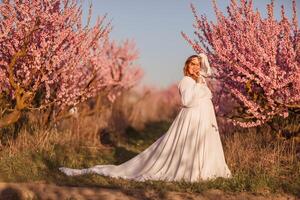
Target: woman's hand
[(195, 75)]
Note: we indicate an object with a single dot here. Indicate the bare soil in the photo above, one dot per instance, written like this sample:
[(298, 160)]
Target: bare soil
[(39, 190)]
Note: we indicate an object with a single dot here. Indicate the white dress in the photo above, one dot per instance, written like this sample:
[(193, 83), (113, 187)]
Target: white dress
[(191, 149)]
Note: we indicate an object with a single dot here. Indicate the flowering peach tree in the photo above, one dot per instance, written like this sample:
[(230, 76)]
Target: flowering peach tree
[(121, 69), (47, 57), (256, 59)]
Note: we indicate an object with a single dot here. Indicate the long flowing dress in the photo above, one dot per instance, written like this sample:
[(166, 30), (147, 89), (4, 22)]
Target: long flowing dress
[(191, 149)]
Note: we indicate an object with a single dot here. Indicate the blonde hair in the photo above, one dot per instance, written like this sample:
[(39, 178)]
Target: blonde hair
[(187, 62)]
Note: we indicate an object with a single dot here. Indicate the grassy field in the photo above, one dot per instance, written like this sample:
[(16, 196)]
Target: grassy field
[(260, 164)]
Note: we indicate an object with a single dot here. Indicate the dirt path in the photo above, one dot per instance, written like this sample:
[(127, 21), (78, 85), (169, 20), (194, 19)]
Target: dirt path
[(28, 191)]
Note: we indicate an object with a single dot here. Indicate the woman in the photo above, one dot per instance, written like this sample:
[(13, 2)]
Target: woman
[(191, 149)]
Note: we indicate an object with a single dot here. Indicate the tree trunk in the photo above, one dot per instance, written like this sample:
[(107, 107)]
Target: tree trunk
[(9, 119)]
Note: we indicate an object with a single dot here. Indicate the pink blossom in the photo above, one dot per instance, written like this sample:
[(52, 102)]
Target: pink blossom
[(257, 59), (64, 63)]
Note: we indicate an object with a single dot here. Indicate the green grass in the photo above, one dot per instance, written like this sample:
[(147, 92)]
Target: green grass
[(42, 165)]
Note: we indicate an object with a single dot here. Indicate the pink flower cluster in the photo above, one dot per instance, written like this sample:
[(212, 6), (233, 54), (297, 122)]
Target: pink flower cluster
[(257, 59), (48, 57)]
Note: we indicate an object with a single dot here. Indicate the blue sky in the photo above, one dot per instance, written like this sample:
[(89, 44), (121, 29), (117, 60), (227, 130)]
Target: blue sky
[(155, 26)]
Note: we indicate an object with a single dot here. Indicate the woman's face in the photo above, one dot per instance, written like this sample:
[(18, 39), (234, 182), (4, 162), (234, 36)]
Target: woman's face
[(194, 67)]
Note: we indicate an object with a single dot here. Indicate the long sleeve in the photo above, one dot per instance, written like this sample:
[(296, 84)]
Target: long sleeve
[(191, 91)]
